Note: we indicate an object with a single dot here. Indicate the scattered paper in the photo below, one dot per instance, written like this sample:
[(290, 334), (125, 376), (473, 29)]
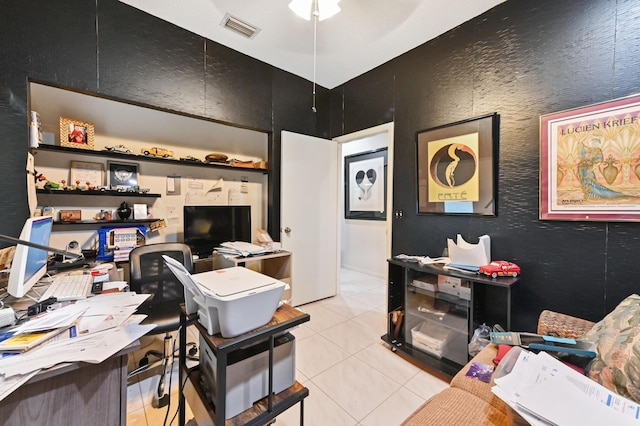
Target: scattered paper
[(63, 317), (8, 385), (104, 325), (547, 392)]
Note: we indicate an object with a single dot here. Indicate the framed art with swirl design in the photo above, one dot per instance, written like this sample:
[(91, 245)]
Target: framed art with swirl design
[(590, 162), (456, 167)]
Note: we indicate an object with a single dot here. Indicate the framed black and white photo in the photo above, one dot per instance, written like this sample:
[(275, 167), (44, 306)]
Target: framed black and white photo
[(122, 175), (365, 181)]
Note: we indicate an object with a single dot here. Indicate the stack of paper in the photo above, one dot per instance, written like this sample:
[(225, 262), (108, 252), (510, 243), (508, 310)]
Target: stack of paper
[(102, 325), (241, 248), (544, 391)]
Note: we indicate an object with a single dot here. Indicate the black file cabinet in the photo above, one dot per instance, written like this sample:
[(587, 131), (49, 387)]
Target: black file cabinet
[(432, 312)]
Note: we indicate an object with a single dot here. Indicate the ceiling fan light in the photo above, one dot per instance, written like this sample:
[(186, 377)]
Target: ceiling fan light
[(302, 8), (327, 9), (305, 8)]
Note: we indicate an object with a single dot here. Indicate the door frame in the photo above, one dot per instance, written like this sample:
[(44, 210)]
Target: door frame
[(382, 128)]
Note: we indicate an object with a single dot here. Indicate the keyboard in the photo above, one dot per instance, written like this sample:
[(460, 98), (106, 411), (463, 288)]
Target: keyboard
[(69, 287)]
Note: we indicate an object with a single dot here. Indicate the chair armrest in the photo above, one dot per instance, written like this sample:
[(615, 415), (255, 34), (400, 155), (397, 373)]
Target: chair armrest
[(557, 324)]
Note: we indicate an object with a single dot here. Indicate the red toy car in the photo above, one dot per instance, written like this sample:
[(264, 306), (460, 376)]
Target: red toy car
[(500, 268)]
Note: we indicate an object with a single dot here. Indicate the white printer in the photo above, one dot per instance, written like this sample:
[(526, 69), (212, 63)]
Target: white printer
[(229, 301)]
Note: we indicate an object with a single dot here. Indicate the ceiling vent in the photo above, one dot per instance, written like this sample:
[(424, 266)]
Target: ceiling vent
[(238, 26)]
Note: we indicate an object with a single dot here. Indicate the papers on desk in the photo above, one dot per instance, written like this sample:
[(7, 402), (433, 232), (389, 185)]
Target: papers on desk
[(63, 317), (105, 325), (544, 391), (424, 260), (241, 248)]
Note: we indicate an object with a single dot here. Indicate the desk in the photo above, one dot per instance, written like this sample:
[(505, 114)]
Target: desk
[(264, 410), (72, 394), (75, 393)]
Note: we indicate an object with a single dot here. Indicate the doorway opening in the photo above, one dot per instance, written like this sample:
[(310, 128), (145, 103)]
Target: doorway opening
[(365, 245)]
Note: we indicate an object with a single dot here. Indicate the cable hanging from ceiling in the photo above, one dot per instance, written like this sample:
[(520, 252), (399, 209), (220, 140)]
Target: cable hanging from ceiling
[(319, 10)]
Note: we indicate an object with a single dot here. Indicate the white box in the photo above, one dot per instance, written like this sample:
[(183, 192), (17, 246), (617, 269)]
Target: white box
[(449, 285), (464, 290), (248, 372), (140, 211), (431, 337)]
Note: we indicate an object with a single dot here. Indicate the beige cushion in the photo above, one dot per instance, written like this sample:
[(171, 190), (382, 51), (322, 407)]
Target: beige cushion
[(477, 387), (617, 339), (454, 406)]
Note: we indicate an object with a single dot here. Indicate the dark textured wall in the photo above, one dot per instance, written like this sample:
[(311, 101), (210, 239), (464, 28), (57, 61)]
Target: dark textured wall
[(521, 59), (112, 49)]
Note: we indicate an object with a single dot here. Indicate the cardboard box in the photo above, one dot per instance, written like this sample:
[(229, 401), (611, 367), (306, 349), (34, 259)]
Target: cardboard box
[(427, 282), (70, 215)]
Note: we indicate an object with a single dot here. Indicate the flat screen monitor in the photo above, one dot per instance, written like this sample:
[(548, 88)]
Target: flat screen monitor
[(206, 227), (29, 263)]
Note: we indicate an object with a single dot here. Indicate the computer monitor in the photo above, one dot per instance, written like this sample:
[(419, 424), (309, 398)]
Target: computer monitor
[(29, 263), (206, 227)]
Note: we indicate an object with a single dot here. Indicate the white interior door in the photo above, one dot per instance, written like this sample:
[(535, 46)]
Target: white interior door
[(309, 215)]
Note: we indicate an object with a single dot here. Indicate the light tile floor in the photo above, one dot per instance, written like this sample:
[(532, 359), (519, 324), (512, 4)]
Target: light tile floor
[(352, 377)]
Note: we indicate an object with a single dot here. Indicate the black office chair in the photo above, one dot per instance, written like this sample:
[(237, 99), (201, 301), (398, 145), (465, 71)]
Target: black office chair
[(148, 274)]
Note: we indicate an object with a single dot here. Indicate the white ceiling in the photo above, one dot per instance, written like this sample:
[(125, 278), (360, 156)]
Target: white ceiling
[(365, 34)]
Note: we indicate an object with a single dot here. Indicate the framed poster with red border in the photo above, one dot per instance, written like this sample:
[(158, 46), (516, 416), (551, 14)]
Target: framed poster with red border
[(590, 162)]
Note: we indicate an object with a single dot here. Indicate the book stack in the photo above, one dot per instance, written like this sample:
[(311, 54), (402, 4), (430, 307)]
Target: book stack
[(11, 341)]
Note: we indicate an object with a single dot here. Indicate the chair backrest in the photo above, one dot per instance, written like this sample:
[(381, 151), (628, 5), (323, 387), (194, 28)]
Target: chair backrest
[(148, 274)]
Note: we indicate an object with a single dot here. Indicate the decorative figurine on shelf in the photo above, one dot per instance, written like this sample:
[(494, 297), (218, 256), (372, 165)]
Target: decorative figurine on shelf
[(51, 185), (124, 211), (104, 215)]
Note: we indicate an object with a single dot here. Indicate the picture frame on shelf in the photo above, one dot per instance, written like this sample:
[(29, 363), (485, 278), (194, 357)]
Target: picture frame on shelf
[(122, 175), (590, 162), (365, 185), (85, 171), (456, 167), (76, 133)]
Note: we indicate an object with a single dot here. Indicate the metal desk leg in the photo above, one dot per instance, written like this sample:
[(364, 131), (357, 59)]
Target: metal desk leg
[(220, 397), (509, 308), (182, 359), (302, 412), (270, 398)]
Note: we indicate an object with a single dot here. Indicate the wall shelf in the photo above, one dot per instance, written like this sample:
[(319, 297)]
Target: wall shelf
[(106, 193), (147, 158), (104, 222)]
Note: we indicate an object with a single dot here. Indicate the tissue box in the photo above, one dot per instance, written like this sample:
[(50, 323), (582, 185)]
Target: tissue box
[(464, 253)]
